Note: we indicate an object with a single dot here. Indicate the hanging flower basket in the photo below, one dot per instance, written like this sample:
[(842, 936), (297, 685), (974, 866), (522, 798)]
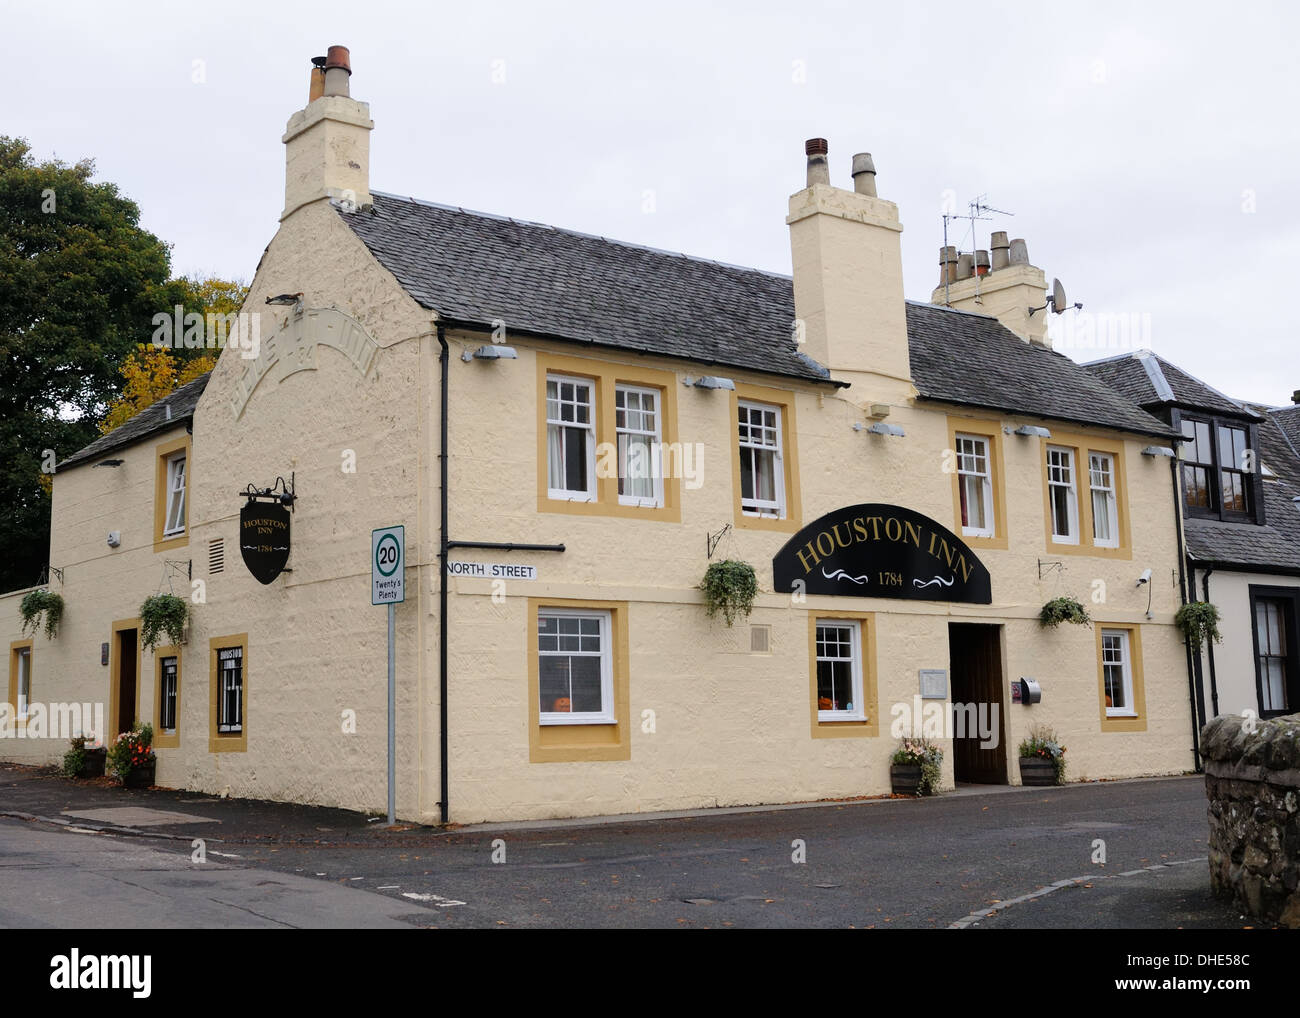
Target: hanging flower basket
[(163, 614), (1199, 621), (1063, 609), (39, 606), (729, 587)]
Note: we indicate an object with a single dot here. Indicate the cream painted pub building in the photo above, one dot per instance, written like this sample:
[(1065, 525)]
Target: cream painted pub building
[(910, 482)]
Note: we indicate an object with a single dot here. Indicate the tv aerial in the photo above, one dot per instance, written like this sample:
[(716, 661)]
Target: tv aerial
[(977, 211)]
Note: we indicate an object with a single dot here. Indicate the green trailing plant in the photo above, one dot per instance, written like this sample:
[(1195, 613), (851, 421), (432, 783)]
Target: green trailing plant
[(41, 606), (1199, 621), (729, 587), (75, 758), (924, 754), (163, 614), (1063, 609), (1042, 743), (131, 750)]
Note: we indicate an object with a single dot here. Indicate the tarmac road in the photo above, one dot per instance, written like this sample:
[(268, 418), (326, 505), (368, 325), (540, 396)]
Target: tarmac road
[(969, 858)]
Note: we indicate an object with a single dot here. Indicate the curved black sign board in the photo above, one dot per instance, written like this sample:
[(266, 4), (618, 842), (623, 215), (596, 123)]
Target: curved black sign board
[(875, 550), (264, 539)]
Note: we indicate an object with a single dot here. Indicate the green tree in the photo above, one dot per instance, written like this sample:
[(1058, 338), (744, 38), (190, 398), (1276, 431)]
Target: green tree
[(79, 283)]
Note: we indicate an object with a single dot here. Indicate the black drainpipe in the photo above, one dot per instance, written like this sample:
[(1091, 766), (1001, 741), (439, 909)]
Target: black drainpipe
[(1195, 694), (444, 546), (444, 363), (1209, 646)]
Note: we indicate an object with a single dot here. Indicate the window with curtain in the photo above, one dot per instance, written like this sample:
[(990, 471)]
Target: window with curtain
[(1105, 514), (570, 438), (1273, 661), (1061, 489), (637, 426), (762, 484), (975, 485)]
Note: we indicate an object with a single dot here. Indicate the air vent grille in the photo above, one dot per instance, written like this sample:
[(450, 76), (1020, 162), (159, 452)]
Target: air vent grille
[(216, 555)]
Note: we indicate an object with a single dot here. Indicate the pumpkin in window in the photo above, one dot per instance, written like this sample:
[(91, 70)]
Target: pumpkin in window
[(562, 705), (823, 703)]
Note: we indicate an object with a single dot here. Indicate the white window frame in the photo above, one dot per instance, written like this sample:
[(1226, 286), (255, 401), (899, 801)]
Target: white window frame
[(177, 479), (563, 494), (858, 713), (763, 508), (656, 438), (1072, 509), (23, 697), (1112, 499), (1126, 665), (604, 716), (984, 481), (229, 728), (175, 693)]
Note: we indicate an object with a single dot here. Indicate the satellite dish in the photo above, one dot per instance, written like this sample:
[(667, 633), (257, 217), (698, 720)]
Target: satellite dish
[(1059, 303)]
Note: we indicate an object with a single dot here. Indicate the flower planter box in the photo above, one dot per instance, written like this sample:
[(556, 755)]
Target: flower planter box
[(1037, 770), (140, 777), (92, 764), (904, 779)]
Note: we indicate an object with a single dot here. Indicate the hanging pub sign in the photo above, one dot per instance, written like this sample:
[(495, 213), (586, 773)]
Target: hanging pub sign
[(264, 539), (876, 550)]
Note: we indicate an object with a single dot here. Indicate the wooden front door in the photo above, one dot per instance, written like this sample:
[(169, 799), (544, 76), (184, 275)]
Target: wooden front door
[(126, 678), (975, 663)]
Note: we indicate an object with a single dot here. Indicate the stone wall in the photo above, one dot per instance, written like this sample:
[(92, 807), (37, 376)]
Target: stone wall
[(1252, 779)]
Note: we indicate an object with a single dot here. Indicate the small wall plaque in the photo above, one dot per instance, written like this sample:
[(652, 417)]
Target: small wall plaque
[(934, 684), (103, 653)]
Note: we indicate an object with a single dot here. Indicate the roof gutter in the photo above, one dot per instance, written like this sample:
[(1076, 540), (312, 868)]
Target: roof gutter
[(1170, 435), (473, 326)]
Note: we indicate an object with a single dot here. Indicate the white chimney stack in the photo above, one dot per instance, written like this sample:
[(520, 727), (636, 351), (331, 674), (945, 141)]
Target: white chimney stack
[(327, 144)]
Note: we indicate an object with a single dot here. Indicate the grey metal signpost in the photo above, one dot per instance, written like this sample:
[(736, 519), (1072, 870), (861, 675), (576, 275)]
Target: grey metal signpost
[(388, 586)]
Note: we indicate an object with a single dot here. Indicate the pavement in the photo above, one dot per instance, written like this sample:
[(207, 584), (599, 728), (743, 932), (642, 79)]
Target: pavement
[(1108, 855)]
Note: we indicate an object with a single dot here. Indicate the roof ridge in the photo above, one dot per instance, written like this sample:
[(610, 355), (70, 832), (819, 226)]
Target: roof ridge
[(1153, 366), (579, 233), (947, 308)]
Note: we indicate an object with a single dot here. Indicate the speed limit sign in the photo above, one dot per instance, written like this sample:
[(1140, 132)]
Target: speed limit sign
[(388, 565)]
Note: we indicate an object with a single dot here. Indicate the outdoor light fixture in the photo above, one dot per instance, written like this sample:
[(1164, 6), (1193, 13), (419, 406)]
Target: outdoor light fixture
[(491, 353), (1033, 431), (881, 428), (282, 491), (285, 299), (711, 382), (1159, 450)]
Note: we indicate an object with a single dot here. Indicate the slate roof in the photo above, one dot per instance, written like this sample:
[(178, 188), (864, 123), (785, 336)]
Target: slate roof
[(973, 360), (1149, 380), (149, 421), (472, 268), (1272, 548), (1287, 420)]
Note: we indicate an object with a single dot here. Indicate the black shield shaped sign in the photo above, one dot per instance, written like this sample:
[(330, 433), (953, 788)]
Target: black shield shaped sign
[(264, 539)]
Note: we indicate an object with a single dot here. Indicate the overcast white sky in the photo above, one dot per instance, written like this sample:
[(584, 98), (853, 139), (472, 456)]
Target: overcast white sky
[(1148, 151)]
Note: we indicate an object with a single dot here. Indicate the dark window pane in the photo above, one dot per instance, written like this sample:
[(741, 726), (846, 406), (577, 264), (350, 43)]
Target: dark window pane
[(586, 684), (552, 682), (575, 459)]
